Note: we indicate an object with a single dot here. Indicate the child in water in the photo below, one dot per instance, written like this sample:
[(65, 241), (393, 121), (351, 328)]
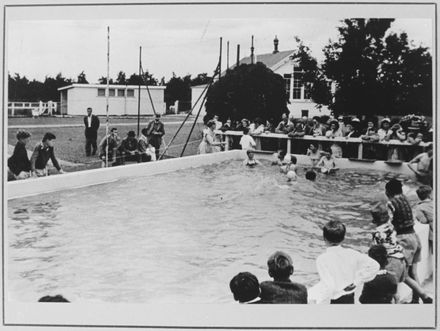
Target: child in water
[(327, 163), (290, 167), (250, 161), (278, 157), (314, 154)]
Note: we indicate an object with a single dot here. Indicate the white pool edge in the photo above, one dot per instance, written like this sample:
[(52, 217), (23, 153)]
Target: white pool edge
[(35, 186)]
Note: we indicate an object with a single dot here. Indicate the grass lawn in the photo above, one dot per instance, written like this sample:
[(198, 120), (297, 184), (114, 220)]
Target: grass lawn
[(70, 141)]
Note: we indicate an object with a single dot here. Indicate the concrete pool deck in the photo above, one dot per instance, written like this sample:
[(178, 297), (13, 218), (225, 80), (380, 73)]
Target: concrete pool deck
[(34, 186)]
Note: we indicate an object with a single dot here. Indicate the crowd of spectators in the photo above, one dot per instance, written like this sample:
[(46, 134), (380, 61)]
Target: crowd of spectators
[(392, 259)]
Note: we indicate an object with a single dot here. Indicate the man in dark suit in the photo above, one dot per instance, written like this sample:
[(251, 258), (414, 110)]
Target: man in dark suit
[(91, 123)]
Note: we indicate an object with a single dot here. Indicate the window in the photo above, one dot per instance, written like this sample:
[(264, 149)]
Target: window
[(101, 92), (121, 93), (130, 93), (287, 84), (304, 113), (297, 84), (111, 92)]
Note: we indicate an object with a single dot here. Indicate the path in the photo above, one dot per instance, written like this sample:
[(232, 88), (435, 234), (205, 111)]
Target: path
[(28, 126)]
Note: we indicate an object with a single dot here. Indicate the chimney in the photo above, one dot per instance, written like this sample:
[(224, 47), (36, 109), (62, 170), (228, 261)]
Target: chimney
[(275, 45)]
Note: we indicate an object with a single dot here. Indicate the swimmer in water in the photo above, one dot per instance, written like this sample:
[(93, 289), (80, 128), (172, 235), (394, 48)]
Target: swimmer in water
[(327, 163), (278, 157), (311, 175), (314, 154), (290, 164), (250, 161)]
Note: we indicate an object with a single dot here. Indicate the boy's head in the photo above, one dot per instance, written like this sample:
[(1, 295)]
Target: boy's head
[(49, 138), (23, 136), (55, 298), (379, 254), (311, 175), (334, 232), (144, 131), (393, 187), (380, 214), (312, 147), (424, 192), (131, 134), (250, 153), (245, 130), (280, 266), (281, 154), (293, 159), (245, 287)]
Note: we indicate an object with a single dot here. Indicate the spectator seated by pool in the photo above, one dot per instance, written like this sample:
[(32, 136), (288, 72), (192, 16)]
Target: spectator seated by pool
[(282, 289), (19, 164), (129, 148), (245, 288)]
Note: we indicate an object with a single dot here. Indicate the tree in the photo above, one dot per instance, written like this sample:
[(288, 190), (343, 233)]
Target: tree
[(313, 78), (201, 79), (121, 80), (377, 72), (103, 80), (146, 78), (82, 78), (247, 91), (178, 88)]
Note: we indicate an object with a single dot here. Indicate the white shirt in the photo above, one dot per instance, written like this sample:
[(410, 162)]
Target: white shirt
[(89, 121), (152, 152), (247, 142), (339, 267)]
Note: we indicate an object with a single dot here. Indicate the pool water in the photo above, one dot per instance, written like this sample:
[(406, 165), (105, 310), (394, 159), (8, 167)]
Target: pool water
[(179, 237)]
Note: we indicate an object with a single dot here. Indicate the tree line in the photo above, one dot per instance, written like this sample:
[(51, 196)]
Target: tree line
[(368, 70), (20, 88)]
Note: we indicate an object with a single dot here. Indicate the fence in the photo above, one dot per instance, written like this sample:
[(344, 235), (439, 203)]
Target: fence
[(297, 145), (32, 108)]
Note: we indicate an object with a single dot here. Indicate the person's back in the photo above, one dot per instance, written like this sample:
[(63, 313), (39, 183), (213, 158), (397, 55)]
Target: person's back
[(424, 210), (400, 207), (245, 288), (341, 269), (282, 289)]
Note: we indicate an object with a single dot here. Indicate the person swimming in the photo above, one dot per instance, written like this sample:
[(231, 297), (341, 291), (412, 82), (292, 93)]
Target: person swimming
[(250, 161), (327, 163)]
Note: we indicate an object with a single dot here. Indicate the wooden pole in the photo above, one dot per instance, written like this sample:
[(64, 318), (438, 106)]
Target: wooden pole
[(107, 95), (238, 55), (220, 58), (139, 91)]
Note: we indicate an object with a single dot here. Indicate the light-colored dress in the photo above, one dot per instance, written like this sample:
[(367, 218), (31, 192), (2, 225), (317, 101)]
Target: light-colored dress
[(207, 141)]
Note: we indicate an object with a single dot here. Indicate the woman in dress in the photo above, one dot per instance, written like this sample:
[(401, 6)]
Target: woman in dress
[(209, 143)]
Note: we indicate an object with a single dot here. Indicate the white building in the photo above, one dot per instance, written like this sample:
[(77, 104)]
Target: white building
[(123, 99), (282, 64)]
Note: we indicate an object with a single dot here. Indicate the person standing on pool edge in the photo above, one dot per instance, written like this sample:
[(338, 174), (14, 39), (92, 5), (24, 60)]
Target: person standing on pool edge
[(155, 131), (91, 123)]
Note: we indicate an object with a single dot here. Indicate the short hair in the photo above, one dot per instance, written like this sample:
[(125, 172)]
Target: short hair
[(379, 254), (89, 108), (144, 131), (311, 175), (157, 115), (394, 187), (249, 151), (113, 129), (48, 136), (22, 135), (379, 212), (280, 265), (281, 153), (334, 232), (246, 130), (131, 134), (210, 123), (293, 159), (245, 287), (423, 192), (55, 298)]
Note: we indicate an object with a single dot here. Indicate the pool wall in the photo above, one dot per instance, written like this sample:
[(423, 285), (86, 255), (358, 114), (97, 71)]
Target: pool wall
[(34, 186)]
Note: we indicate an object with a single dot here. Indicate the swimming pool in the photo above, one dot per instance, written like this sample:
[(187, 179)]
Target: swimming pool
[(179, 237)]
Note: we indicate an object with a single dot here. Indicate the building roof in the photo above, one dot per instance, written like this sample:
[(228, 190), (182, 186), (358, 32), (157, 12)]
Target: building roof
[(269, 59), (111, 86)]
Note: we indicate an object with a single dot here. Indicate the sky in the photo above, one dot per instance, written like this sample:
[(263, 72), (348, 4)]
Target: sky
[(70, 44)]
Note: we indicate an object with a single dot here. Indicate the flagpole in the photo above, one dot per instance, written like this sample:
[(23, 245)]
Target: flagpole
[(107, 95)]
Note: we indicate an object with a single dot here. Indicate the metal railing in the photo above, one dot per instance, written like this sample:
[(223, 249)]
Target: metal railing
[(321, 139)]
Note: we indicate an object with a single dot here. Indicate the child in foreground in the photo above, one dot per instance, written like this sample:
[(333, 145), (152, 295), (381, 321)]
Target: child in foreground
[(250, 160), (245, 288), (424, 211), (342, 270), (282, 289), (383, 287)]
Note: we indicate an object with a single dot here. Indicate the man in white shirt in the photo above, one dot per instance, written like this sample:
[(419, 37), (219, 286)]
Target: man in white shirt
[(342, 270)]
